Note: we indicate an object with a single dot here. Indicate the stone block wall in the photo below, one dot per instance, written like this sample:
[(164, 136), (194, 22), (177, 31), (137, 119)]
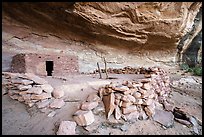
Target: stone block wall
[(36, 63), (18, 64)]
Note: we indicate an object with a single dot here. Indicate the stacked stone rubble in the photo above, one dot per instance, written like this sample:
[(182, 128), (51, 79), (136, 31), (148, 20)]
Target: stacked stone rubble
[(125, 70), (84, 116), (136, 99), (31, 90)]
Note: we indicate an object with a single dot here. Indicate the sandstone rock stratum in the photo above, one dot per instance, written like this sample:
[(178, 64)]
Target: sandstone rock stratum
[(160, 32)]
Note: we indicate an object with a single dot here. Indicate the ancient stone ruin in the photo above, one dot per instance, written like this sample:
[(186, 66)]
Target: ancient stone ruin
[(44, 64), (130, 100), (91, 67), (32, 90)]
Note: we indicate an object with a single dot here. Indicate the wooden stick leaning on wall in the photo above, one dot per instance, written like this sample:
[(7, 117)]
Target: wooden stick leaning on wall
[(99, 70)]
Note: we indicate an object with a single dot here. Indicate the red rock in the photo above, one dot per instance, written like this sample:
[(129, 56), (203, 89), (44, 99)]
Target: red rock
[(83, 117), (126, 104), (117, 102), (109, 104), (138, 101), (129, 109), (147, 101), (35, 78), (57, 103), (26, 96), (23, 92), (43, 103), (164, 117), (162, 92), (137, 95), (118, 95), (21, 81), (121, 88), (117, 113), (24, 87), (12, 92), (35, 90), (89, 105), (147, 75), (93, 97), (108, 91), (145, 80), (47, 88), (149, 111), (132, 116), (125, 98), (137, 85), (146, 86), (151, 96), (143, 91), (67, 128), (131, 98), (125, 83), (120, 103), (41, 96), (168, 107), (58, 93), (101, 92), (20, 99), (130, 85)]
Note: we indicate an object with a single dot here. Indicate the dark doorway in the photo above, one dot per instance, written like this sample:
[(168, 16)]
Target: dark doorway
[(49, 67)]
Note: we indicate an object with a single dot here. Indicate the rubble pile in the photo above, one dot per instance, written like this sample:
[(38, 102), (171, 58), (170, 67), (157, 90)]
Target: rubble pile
[(32, 90), (136, 99), (125, 70)]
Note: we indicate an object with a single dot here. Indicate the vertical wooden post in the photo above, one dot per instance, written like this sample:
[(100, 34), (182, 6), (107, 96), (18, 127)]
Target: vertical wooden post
[(99, 70), (106, 68)]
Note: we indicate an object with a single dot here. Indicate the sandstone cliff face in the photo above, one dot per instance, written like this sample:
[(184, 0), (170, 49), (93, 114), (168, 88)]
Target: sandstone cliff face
[(149, 31), (152, 25)]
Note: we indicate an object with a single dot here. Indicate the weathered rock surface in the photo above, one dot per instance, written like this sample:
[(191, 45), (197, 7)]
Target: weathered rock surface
[(93, 97), (36, 79), (57, 103), (57, 93), (89, 105), (67, 128), (47, 88), (128, 21), (43, 103), (164, 117), (148, 31), (109, 104), (83, 117)]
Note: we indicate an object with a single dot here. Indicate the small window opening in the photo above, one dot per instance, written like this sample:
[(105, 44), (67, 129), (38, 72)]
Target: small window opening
[(58, 57), (39, 57), (49, 67)]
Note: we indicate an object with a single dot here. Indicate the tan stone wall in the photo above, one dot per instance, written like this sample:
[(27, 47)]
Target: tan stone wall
[(36, 63), (18, 64)]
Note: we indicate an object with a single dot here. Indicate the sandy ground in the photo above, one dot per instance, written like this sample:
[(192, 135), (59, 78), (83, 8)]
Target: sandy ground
[(18, 119)]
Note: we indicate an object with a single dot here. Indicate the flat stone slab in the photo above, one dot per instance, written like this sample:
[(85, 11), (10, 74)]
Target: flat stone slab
[(67, 128), (164, 117)]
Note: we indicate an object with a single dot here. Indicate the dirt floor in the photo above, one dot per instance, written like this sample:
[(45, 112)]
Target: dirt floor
[(18, 119)]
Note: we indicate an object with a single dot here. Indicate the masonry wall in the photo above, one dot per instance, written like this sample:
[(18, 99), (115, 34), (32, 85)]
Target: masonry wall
[(36, 63), (18, 64)]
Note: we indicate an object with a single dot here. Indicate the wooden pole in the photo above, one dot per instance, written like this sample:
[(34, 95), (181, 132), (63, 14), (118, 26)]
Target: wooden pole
[(106, 68), (99, 70)]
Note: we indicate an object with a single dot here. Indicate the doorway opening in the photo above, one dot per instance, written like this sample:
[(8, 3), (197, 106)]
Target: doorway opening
[(49, 67)]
